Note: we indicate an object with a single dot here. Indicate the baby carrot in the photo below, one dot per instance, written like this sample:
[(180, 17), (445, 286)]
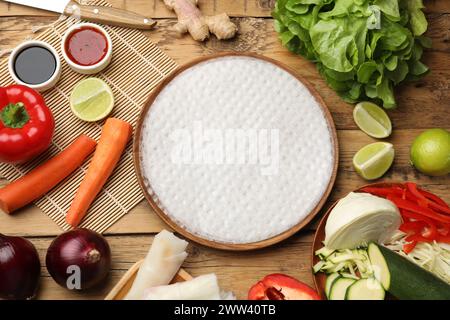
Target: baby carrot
[(42, 179), (114, 138)]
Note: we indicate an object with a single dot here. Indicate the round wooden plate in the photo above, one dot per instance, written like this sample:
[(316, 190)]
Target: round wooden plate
[(320, 277), (221, 245)]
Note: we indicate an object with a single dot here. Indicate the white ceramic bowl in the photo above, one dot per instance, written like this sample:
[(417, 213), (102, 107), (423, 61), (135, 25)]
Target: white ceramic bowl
[(50, 83), (87, 69)]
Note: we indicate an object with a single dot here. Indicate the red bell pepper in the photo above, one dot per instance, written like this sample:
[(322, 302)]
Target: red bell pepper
[(444, 229), (417, 238), (281, 287), (431, 228), (424, 201), (420, 198), (411, 206), (407, 248), (426, 216), (26, 124), (445, 239), (413, 227), (433, 198), (383, 192)]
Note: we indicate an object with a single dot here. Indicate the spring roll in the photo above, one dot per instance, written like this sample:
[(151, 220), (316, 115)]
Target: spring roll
[(162, 263), (204, 287)]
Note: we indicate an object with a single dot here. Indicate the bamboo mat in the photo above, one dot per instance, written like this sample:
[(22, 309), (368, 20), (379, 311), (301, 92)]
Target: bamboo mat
[(138, 66)]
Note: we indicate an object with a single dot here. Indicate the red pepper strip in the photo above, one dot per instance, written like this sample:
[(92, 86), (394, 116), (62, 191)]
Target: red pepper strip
[(383, 192), (440, 208), (420, 198), (433, 198), (407, 248), (404, 194), (445, 239), (417, 238), (413, 227), (444, 229), (411, 206), (424, 201), (431, 233)]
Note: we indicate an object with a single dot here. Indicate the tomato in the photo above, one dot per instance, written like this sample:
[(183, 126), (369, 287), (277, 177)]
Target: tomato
[(281, 287), (26, 124)]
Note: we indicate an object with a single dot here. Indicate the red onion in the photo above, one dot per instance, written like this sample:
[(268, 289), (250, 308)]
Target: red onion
[(79, 259), (19, 268)]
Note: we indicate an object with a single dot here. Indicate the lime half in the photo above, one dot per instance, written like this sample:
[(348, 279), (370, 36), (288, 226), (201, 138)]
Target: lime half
[(430, 152), (373, 160), (92, 100), (373, 120)]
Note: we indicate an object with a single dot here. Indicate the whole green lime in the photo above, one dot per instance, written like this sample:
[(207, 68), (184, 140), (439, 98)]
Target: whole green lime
[(430, 152)]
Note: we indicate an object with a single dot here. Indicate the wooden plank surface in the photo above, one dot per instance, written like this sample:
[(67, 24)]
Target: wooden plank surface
[(423, 104)]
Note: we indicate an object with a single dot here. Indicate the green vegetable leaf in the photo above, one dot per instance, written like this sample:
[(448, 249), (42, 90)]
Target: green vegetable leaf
[(335, 42), (286, 37), (391, 62), (389, 8), (417, 68), (386, 94), (297, 7), (418, 20), (363, 48), (366, 70), (400, 73)]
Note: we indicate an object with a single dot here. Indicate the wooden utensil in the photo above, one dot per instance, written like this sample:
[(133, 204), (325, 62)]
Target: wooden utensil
[(121, 289), (99, 14)]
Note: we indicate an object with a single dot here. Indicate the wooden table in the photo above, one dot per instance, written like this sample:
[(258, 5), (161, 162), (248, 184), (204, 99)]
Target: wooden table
[(424, 104)]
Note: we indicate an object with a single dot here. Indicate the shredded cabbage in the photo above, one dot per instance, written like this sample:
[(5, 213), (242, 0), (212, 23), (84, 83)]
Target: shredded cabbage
[(434, 257)]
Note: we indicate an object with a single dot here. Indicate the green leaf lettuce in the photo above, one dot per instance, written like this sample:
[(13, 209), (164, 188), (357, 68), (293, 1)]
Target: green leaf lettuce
[(363, 48)]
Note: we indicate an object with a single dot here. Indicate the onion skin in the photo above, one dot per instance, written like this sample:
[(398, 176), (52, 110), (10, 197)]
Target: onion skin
[(20, 268), (83, 248)]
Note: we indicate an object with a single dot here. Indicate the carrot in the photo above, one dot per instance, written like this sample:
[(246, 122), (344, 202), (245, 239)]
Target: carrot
[(42, 179), (114, 138)]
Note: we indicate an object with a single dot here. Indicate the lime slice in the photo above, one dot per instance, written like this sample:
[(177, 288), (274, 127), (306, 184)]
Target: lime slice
[(92, 100), (373, 160), (372, 119)]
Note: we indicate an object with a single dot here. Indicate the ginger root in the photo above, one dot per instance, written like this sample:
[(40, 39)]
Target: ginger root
[(191, 20)]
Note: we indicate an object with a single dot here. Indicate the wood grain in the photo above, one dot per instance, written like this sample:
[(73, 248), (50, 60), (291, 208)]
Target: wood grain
[(236, 272), (422, 105), (424, 100), (235, 8)]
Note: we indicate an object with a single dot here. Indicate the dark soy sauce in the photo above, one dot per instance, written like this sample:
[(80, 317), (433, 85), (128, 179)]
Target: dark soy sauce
[(34, 65)]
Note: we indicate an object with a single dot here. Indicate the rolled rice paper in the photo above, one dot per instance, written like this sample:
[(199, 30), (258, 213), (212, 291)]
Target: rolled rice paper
[(162, 263), (204, 287)]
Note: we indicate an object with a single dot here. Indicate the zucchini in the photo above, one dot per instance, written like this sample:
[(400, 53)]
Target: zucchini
[(324, 252), (336, 268), (343, 261), (339, 288), (408, 281), (350, 276), (365, 289), (318, 266), (329, 282), (379, 266)]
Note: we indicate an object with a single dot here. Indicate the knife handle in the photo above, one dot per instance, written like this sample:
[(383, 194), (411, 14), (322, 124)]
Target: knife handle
[(109, 16)]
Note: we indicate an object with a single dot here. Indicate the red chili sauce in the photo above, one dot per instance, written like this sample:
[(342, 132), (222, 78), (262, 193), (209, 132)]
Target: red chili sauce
[(86, 46)]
